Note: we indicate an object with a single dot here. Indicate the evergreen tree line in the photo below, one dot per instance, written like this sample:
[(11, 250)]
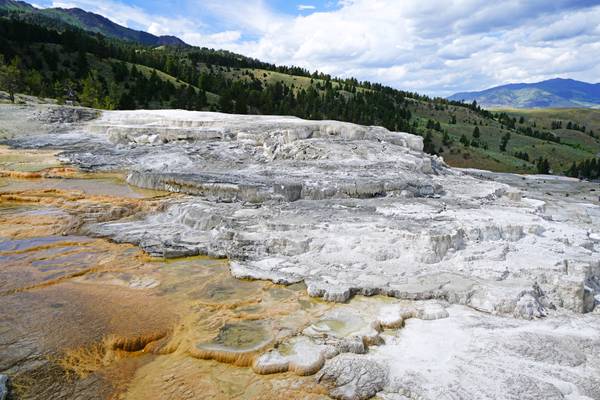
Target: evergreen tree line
[(587, 169), (528, 131), (575, 126), (570, 125), (506, 120), (62, 64), (522, 155), (504, 141), (542, 166)]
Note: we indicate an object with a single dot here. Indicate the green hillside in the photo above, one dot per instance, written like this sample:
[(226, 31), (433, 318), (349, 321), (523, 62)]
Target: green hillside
[(72, 65), (62, 18)]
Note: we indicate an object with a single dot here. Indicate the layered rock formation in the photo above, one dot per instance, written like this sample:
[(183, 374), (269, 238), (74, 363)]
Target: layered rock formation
[(345, 208), (352, 210)]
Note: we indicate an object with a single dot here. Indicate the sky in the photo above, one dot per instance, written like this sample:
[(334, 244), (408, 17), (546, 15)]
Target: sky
[(435, 47)]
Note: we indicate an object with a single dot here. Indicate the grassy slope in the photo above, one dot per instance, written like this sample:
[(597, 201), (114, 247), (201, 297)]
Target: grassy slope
[(590, 118), (560, 155), (581, 147), (268, 77)]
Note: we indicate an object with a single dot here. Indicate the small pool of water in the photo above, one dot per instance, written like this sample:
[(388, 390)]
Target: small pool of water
[(107, 186)]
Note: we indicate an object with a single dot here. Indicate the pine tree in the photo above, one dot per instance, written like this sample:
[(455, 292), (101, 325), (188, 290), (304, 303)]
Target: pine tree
[(201, 100), (225, 103), (126, 102), (573, 170), (504, 141), (91, 92), (542, 166), (81, 64), (428, 146), (240, 106), (11, 77), (446, 139)]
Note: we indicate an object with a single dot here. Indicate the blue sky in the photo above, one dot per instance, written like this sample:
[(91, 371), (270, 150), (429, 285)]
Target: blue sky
[(436, 47)]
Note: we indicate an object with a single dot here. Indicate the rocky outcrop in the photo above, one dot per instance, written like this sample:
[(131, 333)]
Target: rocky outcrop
[(352, 377), (344, 248), (345, 208)]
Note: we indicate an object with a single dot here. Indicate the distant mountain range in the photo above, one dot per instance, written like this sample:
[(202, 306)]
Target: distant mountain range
[(553, 93), (67, 17)]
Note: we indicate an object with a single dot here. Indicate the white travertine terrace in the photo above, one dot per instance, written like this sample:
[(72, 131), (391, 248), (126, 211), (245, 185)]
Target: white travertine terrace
[(348, 210), (467, 261)]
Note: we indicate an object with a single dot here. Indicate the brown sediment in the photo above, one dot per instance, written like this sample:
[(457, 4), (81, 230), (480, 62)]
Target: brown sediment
[(22, 160), (307, 371), (271, 369), (228, 306), (82, 208), (54, 172), (62, 298), (49, 282), (85, 360), (183, 377), (85, 329), (136, 343), (59, 197), (45, 196), (35, 261), (239, 359), (34, 249), (23, 225)]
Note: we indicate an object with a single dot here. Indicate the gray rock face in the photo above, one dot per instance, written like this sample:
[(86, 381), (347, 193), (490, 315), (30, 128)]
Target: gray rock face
[(352, 377), (345, 208), (514, 264)]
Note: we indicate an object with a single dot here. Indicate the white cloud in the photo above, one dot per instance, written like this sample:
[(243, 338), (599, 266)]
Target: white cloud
[(432, 46), (441, 47), (215, 40), (252, 16), (304, 7)]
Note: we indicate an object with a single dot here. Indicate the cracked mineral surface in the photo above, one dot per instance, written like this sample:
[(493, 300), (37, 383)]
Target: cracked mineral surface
[(439, 283)]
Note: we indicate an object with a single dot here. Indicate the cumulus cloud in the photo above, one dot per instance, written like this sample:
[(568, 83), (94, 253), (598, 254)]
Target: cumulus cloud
[(431, 46), (442, 47)]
